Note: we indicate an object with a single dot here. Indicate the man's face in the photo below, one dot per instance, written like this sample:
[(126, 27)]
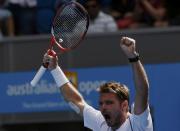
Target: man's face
[(93, 9), (110, 108)]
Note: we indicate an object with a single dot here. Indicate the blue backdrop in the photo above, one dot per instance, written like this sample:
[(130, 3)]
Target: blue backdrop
[(16, 95)]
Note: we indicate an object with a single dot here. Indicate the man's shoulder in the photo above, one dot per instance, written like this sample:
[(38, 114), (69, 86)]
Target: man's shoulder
[(143, 120), (93, 118)]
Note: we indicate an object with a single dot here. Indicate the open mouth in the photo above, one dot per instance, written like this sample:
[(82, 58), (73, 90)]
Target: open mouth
[(107, 117)]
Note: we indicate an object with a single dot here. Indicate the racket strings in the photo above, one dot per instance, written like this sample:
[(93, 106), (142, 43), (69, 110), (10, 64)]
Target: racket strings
[(72, 29), (69, 26)]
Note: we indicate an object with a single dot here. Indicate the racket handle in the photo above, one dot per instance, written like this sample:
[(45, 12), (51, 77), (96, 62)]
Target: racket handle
[(38, 76)]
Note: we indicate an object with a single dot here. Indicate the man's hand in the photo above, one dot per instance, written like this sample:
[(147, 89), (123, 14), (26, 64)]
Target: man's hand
[(128, 46), (50, 61)]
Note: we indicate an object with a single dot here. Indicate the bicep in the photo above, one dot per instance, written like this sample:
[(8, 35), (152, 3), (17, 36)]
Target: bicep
[(141, 104), (142, 88)]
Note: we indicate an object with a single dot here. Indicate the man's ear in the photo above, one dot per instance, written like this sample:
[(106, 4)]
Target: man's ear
[(125, 106)]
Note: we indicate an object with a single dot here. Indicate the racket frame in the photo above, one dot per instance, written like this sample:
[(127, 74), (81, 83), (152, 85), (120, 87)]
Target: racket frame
[(53, 41)]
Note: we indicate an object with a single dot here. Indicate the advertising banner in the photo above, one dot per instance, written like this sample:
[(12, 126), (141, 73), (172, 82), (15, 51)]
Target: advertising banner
[(17, 95)]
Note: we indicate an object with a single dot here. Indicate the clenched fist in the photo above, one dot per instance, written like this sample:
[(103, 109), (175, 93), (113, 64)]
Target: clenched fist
[(128, 46), (50, 62)]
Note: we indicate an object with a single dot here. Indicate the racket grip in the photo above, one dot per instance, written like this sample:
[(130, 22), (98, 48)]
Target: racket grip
[(38, 76)]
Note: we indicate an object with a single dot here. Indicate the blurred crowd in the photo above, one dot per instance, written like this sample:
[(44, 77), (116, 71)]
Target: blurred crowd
[(29, 17)]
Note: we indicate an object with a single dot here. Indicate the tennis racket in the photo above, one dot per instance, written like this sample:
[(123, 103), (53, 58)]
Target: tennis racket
[(68, 29)]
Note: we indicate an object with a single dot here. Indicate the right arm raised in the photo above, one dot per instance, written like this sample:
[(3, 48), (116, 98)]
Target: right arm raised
[(73, 97), (70, 93)]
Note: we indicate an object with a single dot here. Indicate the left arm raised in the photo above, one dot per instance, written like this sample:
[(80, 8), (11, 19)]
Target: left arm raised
[(139, 75), (142, 87)]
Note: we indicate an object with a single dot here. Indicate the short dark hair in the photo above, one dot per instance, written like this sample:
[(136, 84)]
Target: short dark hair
[(120, 90), (97, 1)]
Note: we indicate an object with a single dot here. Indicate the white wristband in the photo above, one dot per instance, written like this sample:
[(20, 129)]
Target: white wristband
[(59, 76)]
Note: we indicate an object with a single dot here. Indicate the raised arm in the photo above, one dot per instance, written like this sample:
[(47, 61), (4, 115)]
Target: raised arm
[(157, 13), (70, 93), (139, 74)]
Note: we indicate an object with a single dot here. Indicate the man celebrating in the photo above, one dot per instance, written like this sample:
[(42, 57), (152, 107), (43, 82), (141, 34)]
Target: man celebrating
[(114, 112)]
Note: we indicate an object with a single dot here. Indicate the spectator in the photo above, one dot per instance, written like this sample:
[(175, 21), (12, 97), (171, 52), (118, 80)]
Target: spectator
[(24, 13), (173, 12), (45, 14), (99, 21), (150, 13), (7, 20), (122, 11)]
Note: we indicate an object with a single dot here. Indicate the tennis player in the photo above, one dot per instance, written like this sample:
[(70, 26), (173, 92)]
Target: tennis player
[(114, 112)]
